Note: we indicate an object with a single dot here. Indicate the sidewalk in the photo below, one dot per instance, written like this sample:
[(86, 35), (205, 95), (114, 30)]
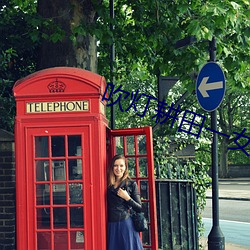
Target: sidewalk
[(230, 194), (228, 246)]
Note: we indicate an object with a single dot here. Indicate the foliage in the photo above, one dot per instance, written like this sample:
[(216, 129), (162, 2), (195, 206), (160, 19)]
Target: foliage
[(145, 36), (193, 170), (16, 27), (233, 118), (17, 55), (7, 107), (148, 30), (139, 84), (6, 99)]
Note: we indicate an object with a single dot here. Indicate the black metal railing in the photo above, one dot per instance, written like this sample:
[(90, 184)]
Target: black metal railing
[(176, 211)]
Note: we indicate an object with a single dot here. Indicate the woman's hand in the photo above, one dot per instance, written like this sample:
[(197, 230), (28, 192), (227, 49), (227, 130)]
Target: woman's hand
[(123, 194)]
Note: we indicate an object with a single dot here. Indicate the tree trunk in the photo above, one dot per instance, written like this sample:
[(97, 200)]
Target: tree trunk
[(75, 49), (223, 166)]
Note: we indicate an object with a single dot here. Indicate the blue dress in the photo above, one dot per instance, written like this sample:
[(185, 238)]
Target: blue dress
[(121, 232), (122, 236)]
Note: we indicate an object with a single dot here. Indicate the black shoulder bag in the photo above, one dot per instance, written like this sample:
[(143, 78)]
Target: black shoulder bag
[(138, 218), (139, 221)]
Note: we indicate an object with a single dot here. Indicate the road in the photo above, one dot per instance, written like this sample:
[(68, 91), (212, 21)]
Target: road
[(234, 211)]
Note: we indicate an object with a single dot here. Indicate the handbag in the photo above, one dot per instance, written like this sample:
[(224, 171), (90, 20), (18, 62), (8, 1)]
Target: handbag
[(139, 221)]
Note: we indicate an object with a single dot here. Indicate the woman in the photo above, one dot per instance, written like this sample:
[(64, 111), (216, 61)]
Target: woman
[(122, 195)]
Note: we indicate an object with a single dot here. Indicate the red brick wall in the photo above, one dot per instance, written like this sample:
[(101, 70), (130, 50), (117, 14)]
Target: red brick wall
[(7, 192)]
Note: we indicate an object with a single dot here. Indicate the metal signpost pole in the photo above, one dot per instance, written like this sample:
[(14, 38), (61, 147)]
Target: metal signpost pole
[(216, 240), (112, 59)]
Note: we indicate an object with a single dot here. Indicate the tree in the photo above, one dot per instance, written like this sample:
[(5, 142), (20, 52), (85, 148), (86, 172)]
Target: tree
[(156, 26), (69, 39), (233, 117), (66, 33), (17, 54)]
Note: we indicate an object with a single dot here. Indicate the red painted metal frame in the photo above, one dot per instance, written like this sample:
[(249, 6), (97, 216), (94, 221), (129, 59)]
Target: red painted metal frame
[(147, 131), (80, 85), (31, 185)]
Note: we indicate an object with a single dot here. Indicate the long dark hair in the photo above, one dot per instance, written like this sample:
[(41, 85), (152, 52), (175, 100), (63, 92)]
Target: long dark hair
[(111, 175)]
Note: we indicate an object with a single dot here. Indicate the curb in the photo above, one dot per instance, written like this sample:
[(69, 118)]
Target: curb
[(243, 179), (230, 198), (228, 245)]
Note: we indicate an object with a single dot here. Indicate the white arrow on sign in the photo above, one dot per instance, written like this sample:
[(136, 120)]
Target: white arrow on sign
[(204, 86)]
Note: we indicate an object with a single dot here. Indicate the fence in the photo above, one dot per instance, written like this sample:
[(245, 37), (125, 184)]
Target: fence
[(177, 221)]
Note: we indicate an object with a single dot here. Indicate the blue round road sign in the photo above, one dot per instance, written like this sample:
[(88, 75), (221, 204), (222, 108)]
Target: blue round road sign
[(210, 86)]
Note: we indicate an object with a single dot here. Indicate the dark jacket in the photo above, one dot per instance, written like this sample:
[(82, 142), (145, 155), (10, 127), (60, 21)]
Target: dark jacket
[(118, 208)]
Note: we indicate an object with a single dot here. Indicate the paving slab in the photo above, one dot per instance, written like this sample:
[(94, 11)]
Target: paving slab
[(242, 192), (228, 246)]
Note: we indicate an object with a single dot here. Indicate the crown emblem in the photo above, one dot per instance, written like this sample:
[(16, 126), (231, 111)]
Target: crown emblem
[(56, 86)]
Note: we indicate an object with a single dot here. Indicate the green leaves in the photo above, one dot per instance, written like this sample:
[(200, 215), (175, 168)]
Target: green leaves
[(57, 36), (235, 5), (194, 28)]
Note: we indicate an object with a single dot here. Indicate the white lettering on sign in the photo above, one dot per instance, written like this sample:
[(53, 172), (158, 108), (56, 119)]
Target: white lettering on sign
[(49, 107)]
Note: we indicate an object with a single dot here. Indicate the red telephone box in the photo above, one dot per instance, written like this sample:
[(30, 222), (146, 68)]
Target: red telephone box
[(61, 160)]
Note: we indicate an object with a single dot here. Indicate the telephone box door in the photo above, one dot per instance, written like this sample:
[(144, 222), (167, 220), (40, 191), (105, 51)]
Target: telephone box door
[(136, 145), (59, 188)]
